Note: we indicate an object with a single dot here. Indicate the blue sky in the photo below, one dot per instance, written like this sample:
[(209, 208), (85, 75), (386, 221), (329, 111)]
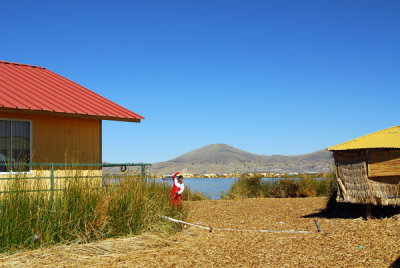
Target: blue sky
[(268, 77)]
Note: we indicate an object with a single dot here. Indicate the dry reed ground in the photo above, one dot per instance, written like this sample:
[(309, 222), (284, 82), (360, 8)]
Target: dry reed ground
[(349, 242)]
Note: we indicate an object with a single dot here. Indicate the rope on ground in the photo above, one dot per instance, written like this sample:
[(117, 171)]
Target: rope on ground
[(236, 230), (187, 223)]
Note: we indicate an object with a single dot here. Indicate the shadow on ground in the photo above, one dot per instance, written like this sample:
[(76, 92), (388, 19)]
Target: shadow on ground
[(352, 211), (396, 263)]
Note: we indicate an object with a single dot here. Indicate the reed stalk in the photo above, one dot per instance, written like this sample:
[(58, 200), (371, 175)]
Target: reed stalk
[(306, 186), (84, 211)]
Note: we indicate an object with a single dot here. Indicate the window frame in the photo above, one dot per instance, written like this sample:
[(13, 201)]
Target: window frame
[(11, 149)]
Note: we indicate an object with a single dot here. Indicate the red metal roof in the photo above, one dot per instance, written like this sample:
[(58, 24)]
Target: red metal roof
[(34, 89)]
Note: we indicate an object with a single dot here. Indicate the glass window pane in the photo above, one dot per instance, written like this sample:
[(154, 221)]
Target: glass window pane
[(5, 143), (21, 144)]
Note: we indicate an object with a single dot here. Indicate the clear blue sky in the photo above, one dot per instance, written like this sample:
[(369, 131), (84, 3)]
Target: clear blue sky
[(268, 77)]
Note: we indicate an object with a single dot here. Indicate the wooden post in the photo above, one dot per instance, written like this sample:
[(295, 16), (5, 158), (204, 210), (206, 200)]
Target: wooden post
[(317, 224), (341, 187), (368, 211), (52, 183)]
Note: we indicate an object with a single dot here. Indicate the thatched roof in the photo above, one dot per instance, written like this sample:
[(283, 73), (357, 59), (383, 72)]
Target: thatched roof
[(386, 139)]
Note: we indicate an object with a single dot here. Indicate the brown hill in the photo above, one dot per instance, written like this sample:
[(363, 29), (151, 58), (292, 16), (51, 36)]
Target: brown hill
[(223, 158)]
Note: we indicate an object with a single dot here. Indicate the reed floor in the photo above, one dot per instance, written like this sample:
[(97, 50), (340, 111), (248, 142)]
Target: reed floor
[(343, 241)]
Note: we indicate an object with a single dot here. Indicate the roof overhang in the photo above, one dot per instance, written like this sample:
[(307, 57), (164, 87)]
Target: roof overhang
[(64, 114), (31, 89), (384, 139)]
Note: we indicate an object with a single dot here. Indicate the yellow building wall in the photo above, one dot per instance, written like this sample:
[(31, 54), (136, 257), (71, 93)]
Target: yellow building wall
[(384, 163), (57, 139), (41, 179)]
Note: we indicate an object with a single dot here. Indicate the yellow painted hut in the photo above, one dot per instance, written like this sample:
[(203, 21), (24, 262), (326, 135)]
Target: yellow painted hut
[(368, 168), (46, 118)]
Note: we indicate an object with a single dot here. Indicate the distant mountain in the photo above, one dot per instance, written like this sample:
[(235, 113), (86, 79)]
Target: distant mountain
[(223, 158)]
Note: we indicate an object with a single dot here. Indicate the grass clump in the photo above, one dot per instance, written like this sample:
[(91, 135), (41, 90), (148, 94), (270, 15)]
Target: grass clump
[(306, 186), (82, 212), (189, 195), (247, 187)]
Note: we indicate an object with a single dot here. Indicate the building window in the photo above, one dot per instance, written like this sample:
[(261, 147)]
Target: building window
[(15, 145)]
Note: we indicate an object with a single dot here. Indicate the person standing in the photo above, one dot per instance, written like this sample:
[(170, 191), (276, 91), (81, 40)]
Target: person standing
[(177, 190)]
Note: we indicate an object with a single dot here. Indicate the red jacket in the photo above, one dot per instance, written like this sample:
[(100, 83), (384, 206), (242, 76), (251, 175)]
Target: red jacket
[(175, 187)]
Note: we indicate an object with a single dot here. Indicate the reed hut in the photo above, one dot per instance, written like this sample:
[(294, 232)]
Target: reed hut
[(368, 168)]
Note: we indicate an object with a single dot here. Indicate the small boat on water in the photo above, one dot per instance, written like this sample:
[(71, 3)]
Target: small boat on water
[(168, 178)]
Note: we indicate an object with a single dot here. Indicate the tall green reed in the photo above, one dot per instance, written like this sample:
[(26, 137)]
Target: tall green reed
[(83, 211), (306, 186), (247, 187)]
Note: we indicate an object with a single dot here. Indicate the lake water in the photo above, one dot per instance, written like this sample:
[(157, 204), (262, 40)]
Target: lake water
[(213, 188)]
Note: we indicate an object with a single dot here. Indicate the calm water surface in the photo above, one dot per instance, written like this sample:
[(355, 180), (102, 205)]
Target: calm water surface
[(213, 188)]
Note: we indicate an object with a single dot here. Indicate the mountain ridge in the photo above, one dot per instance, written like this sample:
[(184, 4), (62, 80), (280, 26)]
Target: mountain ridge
[(223, 158)]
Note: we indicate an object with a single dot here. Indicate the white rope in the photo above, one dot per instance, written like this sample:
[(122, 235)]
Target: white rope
[(187, 223), (265, 231), (236, 230)]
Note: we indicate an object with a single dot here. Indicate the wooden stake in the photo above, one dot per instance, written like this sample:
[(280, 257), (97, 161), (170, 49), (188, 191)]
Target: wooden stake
[(341, 186), (317, 224), (368, 211)]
